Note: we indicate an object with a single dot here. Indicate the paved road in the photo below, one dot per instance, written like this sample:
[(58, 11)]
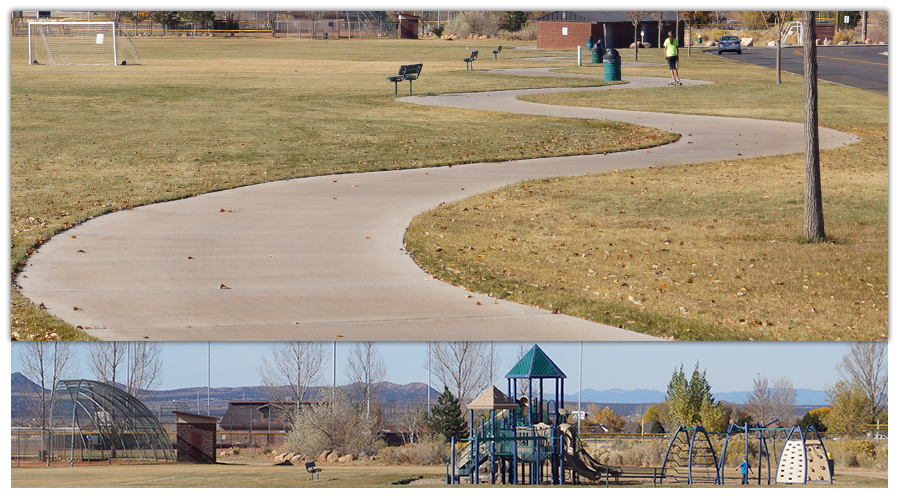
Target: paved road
[(322, 258), (861, 66)]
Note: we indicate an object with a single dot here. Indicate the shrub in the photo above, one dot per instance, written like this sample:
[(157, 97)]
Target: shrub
[(631, 453), (430, 449), (842, 36), (881, 455), (854, 453), (528, 32), (336, 425), (478, 22), (438, 31)]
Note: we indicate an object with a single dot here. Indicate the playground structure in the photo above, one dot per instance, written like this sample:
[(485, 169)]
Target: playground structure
[(529, 441), (525, 440), (92, 421), (689, 452), (691, 457)]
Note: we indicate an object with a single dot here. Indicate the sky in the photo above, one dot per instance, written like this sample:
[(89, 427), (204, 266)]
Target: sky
[(730, 366)]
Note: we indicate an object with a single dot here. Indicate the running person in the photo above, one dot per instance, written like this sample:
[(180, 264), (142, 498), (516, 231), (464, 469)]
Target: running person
[(671, 46)]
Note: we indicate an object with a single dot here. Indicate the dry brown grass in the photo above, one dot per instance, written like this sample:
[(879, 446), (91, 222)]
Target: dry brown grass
[(693, 252), (204, 115)]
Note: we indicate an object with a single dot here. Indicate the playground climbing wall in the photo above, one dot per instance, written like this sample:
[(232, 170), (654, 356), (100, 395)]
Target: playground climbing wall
[(802, 463)]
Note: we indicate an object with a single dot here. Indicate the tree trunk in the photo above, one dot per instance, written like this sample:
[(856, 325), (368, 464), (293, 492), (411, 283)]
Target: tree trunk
[(779, 23), (814, 220), (636, 28)]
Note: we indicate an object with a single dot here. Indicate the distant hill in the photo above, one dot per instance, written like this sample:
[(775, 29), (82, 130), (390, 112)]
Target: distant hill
[(806, 397), (619, 396), (623, 402), (194, 399)]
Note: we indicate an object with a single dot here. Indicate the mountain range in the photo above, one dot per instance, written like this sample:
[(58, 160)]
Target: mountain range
[(805, 397), (194, 398)]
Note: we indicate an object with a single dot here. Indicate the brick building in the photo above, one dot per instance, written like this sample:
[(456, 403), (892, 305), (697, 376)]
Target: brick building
[(569, 29)]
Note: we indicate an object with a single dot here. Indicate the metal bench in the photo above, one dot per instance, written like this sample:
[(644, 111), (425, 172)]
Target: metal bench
[(407, 72), (470, 61), (311, 468), (657, 474), (497, 51)]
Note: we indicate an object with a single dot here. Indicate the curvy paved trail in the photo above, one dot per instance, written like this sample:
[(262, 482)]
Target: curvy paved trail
[(322, 258)]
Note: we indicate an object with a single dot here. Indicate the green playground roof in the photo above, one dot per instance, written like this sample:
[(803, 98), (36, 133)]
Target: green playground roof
[(535, 364)]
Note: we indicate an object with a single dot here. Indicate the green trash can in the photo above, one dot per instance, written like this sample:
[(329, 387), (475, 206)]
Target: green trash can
[(612, 66), (699, 40), (597, 53)]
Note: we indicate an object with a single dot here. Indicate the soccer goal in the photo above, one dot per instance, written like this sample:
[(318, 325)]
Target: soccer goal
[(69, 42)]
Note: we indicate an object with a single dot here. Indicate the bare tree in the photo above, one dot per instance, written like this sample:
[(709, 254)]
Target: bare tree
[(659, 18), (767, 403), (636, 17), (865, 366), (785, 398), (464, 367), (144, 363), (107, 361), (781, 17), (413, 420), (366, 371), (521, 384), (814, 221), (294, 367), (44, 363), (136, 365)]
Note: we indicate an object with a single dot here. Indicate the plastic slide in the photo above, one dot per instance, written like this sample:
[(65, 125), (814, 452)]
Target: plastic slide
[(580, 461)]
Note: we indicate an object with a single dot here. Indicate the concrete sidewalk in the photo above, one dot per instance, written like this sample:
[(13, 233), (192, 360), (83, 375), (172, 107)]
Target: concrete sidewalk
[(322, 258)]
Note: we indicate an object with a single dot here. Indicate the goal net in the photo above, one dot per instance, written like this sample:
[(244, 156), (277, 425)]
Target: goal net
[(67, 42)]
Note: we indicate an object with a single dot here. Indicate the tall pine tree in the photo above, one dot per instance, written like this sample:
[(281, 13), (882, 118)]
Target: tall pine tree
[(446, 418)]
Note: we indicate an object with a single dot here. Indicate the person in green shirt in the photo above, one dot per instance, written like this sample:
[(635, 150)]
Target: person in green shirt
[(671, 46)]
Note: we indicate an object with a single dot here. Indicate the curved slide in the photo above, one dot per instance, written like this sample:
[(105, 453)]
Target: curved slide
[(321, 258), (580, 461)]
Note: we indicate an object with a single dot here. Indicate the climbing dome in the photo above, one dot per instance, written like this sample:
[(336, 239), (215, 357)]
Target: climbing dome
[(93, 421), (690, 458)]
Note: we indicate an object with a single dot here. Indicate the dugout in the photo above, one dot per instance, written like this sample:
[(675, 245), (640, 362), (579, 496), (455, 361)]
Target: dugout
[(195, 438), (408, 26)]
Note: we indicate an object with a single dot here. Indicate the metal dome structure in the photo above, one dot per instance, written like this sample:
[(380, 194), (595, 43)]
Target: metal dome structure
[(93, 421)]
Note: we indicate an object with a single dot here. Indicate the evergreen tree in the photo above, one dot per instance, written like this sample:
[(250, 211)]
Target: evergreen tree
[(514, 20), (446, 418), (813, 419)]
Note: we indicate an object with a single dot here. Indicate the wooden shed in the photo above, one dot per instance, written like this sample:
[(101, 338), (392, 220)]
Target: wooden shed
[(196, 438), (571, 29)]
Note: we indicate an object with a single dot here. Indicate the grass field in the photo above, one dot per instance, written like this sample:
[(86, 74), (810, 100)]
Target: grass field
[(691, 252), (210, 114), (238, 475), (204, 115)]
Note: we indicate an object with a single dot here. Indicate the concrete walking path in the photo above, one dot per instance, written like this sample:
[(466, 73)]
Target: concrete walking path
[(322, 258)]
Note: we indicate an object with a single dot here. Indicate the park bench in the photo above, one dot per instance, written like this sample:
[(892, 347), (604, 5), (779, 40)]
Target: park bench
[(311, 468), (407, 72), (497, 51), (470, 61), (657, 474)]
